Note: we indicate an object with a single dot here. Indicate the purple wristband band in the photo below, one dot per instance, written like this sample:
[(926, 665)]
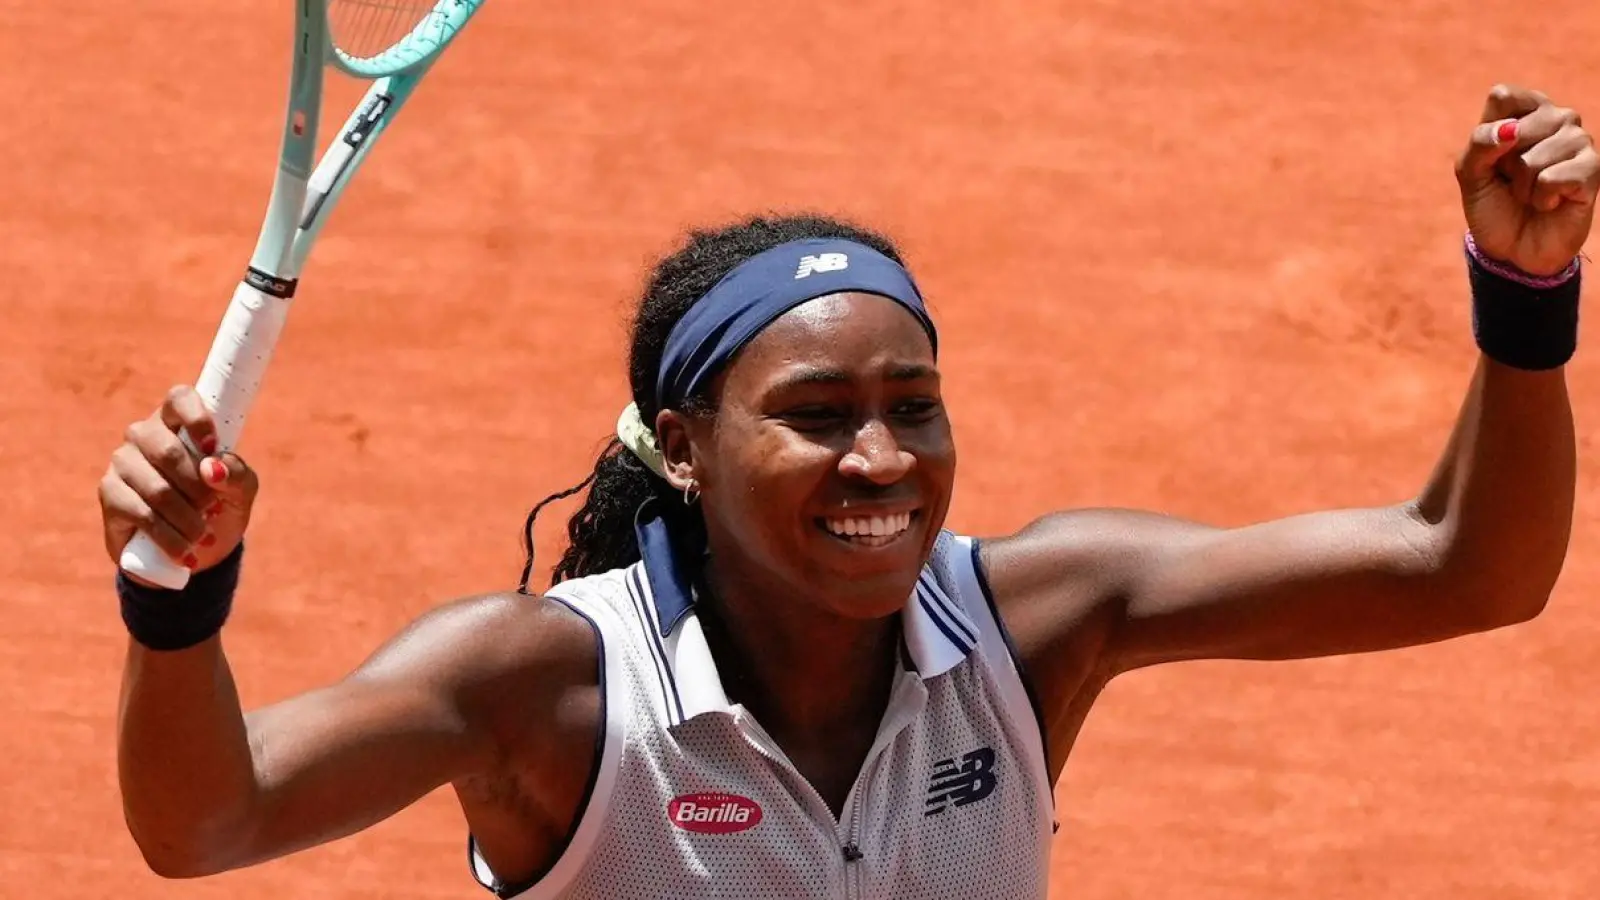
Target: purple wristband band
[(1512, 273)]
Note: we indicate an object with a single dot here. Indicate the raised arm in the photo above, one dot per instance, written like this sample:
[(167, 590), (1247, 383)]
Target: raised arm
[(466, 695), (1090, 594)]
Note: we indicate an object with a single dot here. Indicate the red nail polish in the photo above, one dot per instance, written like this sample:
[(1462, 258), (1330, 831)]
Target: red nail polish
[(209, 445), (207, 539), (214, 509), (1506, 133), (215, 472), (190, 560)]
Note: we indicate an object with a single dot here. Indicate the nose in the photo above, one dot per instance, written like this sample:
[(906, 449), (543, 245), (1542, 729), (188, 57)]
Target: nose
[(876, 455)]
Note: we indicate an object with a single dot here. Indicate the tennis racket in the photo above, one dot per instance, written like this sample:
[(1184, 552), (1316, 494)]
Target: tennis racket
[(393, 44)]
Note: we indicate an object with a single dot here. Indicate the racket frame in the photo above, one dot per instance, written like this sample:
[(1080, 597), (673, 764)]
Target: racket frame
[(303, 196), (426, 40)]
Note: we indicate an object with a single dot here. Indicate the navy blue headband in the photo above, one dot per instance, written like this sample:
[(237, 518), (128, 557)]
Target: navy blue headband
[(761, 289)]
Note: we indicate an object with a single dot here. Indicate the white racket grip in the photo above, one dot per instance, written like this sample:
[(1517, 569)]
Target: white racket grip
[(228, 383)]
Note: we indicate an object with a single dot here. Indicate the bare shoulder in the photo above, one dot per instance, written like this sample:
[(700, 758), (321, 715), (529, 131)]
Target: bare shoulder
[(485, 643), (1079, 555), (526, 670), (505, 664)]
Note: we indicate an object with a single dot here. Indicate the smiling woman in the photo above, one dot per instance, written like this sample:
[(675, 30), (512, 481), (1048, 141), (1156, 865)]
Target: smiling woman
[(759, 539), (764, 667)]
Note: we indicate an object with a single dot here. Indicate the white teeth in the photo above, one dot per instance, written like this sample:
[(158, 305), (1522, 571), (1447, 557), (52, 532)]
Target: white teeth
[(874, 527)]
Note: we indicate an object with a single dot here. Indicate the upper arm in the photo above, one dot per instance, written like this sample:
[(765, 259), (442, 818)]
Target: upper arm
[(1136, 589), (459, 694)]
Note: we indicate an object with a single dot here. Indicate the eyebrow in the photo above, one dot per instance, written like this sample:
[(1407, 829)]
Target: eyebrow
[(813, 375)]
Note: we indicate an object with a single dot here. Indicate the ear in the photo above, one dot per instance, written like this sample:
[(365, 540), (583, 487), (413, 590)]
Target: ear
[(674, 435)]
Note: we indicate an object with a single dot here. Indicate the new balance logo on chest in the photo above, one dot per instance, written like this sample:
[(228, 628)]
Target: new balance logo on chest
[(960, 782)]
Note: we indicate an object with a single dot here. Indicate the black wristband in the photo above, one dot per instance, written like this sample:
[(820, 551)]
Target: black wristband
[(162, 619), (1520, 320)]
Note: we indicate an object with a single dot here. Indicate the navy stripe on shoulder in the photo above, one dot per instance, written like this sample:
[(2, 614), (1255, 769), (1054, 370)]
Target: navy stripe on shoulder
[(939, 617), (658, 652), (958, 617)]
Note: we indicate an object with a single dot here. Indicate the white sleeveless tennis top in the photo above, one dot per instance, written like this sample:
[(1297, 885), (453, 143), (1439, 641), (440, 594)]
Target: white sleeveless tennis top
[(693, 800)]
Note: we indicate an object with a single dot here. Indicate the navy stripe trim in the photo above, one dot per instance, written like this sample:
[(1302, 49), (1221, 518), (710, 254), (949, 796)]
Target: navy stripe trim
[(956, 613), (505, 890), (658, 652), (1016, 657), (932, 609)]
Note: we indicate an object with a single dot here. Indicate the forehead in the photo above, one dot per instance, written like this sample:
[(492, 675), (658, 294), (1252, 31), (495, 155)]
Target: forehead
[(845, 330)]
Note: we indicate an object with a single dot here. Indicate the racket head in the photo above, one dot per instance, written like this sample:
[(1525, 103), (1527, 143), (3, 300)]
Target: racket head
[(379, 38)]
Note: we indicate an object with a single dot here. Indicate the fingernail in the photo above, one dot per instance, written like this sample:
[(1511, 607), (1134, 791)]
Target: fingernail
[(190, 561), (207, 539), (215, 472), (1506, 133), (214, 509), (209, 445)]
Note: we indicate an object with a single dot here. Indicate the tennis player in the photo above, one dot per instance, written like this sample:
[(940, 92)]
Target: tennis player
[(764, 668)]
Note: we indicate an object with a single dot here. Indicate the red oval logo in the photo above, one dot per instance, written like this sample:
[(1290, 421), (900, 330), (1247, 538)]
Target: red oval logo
[(714, 813)]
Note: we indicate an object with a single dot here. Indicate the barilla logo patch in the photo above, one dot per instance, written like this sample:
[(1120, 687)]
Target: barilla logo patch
[(714, 813)]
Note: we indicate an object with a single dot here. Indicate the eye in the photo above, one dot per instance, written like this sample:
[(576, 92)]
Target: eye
[(920, 409), (815, 417)]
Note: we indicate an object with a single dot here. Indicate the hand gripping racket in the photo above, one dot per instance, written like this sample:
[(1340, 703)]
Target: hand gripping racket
[(391, 43)]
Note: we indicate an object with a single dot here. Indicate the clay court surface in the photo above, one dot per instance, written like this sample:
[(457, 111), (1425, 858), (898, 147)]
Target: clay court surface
[(1195, 256)]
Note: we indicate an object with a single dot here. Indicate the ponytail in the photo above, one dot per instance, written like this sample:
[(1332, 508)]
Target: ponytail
[(600, 535)]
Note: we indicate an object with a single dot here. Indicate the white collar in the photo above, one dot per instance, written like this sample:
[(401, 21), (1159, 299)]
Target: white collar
[(937, 634)]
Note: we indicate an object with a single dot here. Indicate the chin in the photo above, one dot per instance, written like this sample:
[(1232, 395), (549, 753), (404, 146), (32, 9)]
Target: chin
[(864, 600), (871, 575)]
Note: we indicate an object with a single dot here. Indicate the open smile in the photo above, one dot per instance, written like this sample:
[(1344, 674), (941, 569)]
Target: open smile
[(869, 531)]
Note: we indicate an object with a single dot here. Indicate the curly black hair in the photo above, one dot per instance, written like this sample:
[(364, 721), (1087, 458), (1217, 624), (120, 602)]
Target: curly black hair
[(600, 534)]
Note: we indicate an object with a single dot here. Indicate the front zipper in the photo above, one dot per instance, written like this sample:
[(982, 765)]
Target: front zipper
[(852, 848), (757, 737)]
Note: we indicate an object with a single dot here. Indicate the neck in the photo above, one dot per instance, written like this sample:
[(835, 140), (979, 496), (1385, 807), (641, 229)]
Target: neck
[(802, 671)]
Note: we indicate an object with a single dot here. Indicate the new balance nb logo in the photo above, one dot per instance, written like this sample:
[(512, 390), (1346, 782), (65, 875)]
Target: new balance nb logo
[(826, 262), (959, 783)]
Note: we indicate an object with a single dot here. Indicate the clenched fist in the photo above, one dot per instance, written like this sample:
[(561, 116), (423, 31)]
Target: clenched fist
[(195, 508), (1528, 179)]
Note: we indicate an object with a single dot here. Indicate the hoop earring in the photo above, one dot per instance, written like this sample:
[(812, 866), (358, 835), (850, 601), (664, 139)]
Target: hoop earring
[(691, 493)]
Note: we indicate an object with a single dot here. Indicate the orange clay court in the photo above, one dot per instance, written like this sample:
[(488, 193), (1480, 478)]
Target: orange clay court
[(1197, 256)]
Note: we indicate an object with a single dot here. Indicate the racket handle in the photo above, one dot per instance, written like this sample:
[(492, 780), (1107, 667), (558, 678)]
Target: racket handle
[(228, 383), (145, 561)]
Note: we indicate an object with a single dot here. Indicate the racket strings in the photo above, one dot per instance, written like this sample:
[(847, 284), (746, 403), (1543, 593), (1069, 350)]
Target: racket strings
[(366, 28)]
